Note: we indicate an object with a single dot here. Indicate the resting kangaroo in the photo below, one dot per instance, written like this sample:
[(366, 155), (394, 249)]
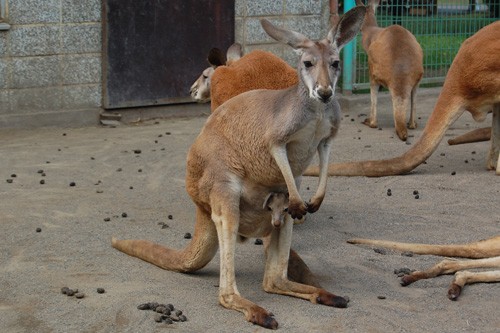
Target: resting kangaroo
[(486, 254), (395, 61), (472, 84), (259, 142)]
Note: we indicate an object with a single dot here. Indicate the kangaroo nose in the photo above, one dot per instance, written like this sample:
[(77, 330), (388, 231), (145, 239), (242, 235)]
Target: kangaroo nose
[(325, 94)]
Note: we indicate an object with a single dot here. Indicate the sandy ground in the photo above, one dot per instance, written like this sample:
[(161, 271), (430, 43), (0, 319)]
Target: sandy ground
[(73, 247)]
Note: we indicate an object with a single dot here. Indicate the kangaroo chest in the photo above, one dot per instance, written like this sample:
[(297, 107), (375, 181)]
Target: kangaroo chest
[(303, 144)]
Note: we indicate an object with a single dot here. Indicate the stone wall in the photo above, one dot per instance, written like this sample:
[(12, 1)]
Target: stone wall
[(50, 63), (309, 17), (50, 57)]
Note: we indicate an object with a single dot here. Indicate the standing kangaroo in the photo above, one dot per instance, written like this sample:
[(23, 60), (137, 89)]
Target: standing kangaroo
[(258, 142), (472, 84), (395, 61)]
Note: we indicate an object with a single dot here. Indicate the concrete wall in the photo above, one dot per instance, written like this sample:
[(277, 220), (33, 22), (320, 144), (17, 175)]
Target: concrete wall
[(50, 58), (309, 17), (50, 63)]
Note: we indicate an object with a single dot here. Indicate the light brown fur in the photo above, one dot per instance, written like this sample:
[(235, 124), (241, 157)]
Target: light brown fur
[(395, 61), (472, 84), (485, 252), (255, 143), (477, 135)]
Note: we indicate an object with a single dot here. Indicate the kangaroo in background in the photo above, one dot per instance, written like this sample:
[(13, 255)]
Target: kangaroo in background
[(395, 61), (486, 254), (258, 142), (472, 84), (200, 89), (256, 70)]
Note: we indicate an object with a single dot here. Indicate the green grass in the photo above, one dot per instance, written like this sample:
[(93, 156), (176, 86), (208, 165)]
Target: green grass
[(440, 37)]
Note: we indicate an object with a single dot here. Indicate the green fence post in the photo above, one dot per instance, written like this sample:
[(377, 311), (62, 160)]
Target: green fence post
[(348, 57)]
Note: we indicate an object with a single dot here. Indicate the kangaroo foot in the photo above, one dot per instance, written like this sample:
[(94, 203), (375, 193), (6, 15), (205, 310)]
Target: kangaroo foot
[(329, 299), (368, 122), (259, 316), (454, 291)]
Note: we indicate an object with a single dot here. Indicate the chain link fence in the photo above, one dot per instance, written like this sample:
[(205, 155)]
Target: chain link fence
[(440, 27)]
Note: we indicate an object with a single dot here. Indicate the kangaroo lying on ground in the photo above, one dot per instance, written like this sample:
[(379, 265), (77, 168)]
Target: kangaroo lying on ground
[(472, 84), (395, 61), (486, 254), (255, 143)]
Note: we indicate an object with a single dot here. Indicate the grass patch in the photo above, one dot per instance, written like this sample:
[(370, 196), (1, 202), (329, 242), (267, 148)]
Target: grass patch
[(439, 35)]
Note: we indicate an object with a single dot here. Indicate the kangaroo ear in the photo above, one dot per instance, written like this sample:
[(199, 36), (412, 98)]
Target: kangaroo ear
[(234, 52), (348, 27), (374, 4), (216, 57), (292, 38), (268, 200)]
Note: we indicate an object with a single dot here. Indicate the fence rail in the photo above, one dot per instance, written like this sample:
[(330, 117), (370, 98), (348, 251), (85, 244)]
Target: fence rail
[(440, 27)]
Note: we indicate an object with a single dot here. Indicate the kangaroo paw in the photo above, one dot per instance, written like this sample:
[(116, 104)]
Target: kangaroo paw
[(262, 318), (454, 291), (369, 123), (407, 280), (330, 299)]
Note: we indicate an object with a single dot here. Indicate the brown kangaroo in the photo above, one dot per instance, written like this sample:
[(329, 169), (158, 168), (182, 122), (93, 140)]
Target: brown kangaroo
[(472, 84), (258, 142), (200, 89), (395, 61), (485, 252)]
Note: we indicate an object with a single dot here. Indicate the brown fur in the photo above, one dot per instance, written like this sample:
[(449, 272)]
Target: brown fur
[(259, 142), (477, 135), (472, 84), (485, 252), (255, 70), (226, 79), (200, 89), (395, 61)]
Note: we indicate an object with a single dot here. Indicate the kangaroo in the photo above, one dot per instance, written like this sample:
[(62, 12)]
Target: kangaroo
[(395, 61), (258, 142), (277, 204), (472, 84), (485, 252), (200, 89), (255, 70)]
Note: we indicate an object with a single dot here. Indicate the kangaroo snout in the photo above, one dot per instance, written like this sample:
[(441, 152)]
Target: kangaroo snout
[(324, 94)]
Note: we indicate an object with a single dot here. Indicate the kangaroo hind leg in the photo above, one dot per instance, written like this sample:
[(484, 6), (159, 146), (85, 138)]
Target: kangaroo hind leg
[(226, 216), (275, 276)]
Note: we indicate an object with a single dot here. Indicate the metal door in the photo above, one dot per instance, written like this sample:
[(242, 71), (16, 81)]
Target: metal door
[(153, 50)]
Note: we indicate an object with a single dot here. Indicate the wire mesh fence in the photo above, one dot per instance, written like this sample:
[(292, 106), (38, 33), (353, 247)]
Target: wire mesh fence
[(440, 26)]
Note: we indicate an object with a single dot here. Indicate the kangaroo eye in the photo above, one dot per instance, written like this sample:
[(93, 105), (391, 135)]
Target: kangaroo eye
[(285, 210), (335, 64), (269, 208), (205, 77), (308, 64)]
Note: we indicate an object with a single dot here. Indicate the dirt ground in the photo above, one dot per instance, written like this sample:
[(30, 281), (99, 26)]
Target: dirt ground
[(458, 202)]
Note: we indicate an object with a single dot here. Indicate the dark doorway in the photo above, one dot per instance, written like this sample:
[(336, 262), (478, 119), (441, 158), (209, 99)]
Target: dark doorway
[(153, 50)]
